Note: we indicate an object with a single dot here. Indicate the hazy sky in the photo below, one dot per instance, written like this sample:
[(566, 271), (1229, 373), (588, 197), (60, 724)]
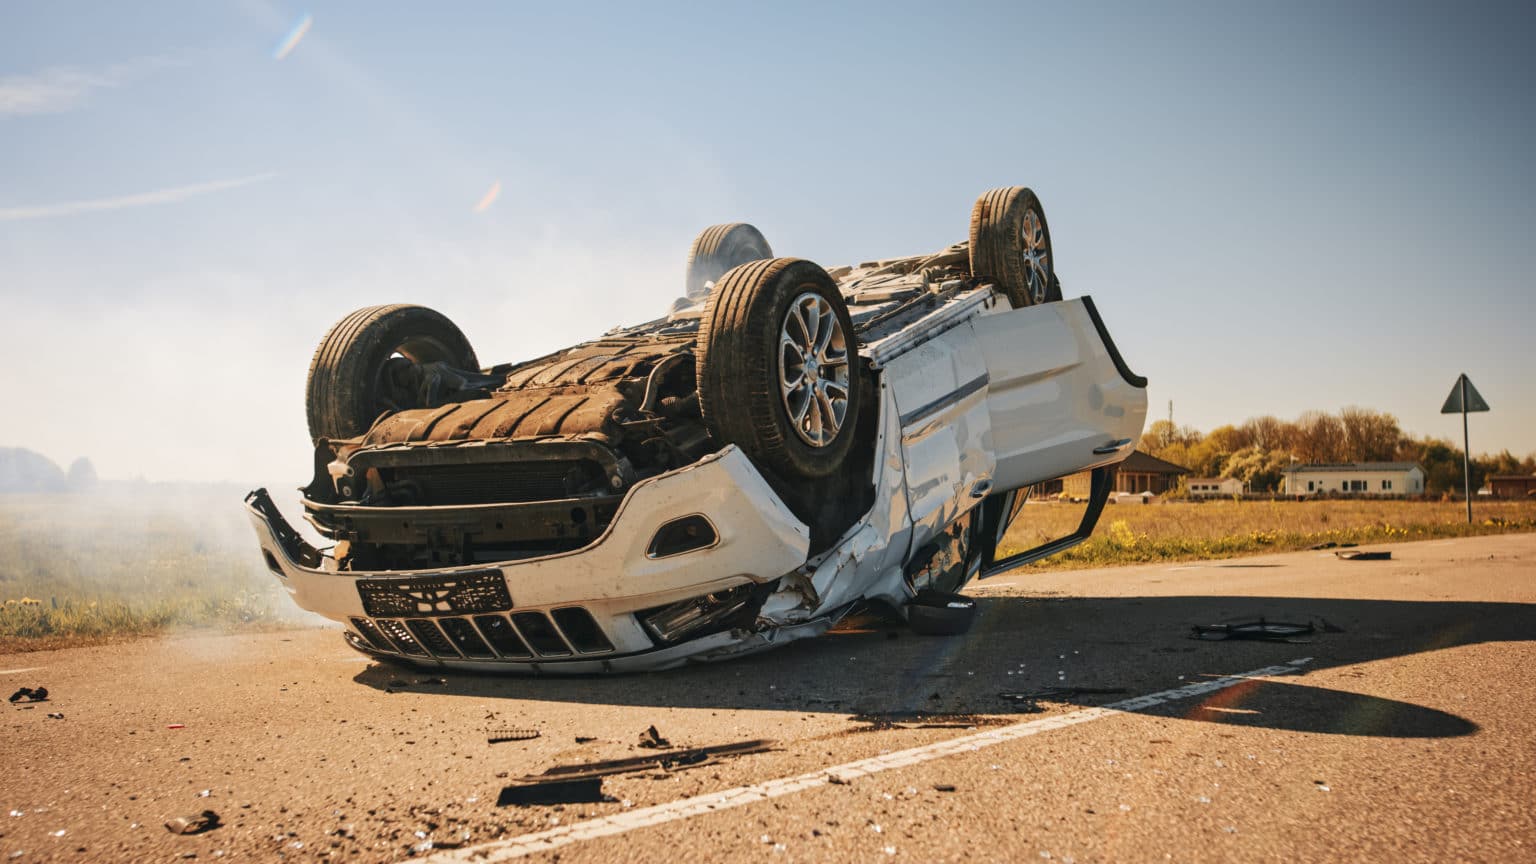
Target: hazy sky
[(1278, 206)]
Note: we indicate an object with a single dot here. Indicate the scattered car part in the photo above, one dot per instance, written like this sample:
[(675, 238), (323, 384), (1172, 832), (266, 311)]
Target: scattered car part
[(937, 613), (577, 790), (30, 694), (1364, 556), (204, 821), (737, 474), (505, 735), (651, 739), (1270, 631), (670, 761), (920, 720)]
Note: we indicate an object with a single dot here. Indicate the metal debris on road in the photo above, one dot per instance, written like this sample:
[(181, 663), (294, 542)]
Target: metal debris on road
[(943, 787), (504, 735), (672, 761), (30, 694), (1364, 556), (1268, 631), (579, 790), (881, 721), (204, 821), (652, 739), (56, 715)]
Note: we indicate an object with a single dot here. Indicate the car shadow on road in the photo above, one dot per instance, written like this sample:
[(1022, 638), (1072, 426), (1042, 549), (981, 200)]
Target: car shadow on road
[(1023, 645)]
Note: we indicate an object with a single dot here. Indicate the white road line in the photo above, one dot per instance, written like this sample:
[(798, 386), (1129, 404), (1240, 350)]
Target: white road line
[(19, 671), (686, 808)]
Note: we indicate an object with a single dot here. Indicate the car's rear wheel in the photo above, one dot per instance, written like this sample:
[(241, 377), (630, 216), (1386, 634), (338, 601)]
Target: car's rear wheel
[(778, 367), (1011, 246), (368, 364), (717, 249)]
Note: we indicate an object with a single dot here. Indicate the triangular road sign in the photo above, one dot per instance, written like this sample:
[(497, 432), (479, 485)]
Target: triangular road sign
[(1475, 401)]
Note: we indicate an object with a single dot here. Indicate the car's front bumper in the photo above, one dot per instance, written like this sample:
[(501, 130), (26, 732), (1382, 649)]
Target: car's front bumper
[(573, 612)]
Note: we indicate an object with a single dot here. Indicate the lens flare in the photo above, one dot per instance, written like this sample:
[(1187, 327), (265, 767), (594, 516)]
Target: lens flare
[(295, 35), (489, 198)]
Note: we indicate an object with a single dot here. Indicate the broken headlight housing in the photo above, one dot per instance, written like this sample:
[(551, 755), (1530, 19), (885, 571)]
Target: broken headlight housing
[(696, 615)]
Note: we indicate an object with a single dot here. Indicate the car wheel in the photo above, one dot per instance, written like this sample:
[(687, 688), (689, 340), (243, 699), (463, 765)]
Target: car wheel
[(363, 367), (717, 249), (779, 367), (1011, 246)]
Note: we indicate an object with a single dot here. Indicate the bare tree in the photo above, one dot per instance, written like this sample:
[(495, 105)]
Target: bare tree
[(1265, 433), (1370, 435), (1320, 437)]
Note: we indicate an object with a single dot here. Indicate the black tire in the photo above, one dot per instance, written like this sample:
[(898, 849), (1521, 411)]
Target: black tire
[(347, 388), (741, 364), (717, 249), (1000, 221)]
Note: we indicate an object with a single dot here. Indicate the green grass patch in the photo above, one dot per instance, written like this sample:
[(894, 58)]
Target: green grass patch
[(84, 568)]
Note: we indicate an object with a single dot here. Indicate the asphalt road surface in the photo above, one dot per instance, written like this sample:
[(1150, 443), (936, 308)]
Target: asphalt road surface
[(1408, 736)]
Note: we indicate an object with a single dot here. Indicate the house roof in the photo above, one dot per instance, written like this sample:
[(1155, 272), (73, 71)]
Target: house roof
[(1525, 477), (1354, 466), (1149, 464)]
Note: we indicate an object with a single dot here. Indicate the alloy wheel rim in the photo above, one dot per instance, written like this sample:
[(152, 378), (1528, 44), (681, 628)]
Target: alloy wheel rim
[(813, 369), (1037, 258)]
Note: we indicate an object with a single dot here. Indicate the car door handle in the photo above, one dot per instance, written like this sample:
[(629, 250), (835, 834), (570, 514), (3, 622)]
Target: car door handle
[(1111, 447)]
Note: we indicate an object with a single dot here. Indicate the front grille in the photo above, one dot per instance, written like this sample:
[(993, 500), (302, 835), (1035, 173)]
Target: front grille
[(506, 641), (401, 637), (540, 633), (580, 630), (371, 633), (521, 636), (459, 594), (503, 483), (464, 637), (427, 632)]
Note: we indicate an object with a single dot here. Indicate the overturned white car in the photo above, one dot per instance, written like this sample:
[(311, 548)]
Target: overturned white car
[(789, 443)]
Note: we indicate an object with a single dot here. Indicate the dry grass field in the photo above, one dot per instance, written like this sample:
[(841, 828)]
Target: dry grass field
[(1130, 533)]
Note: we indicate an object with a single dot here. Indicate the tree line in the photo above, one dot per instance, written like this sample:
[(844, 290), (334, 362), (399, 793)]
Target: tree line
[(1258, 450)]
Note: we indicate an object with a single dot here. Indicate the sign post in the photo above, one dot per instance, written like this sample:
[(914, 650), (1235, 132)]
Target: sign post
[(1464, 397)]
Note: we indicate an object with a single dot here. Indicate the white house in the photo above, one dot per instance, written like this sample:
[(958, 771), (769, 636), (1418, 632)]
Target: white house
[(1355, 478), (1213, 487)]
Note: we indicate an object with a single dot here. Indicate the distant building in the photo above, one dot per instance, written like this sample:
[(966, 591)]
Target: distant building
[(1140, 472), (1215, 487), (1512, 485), (1355, 478)]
